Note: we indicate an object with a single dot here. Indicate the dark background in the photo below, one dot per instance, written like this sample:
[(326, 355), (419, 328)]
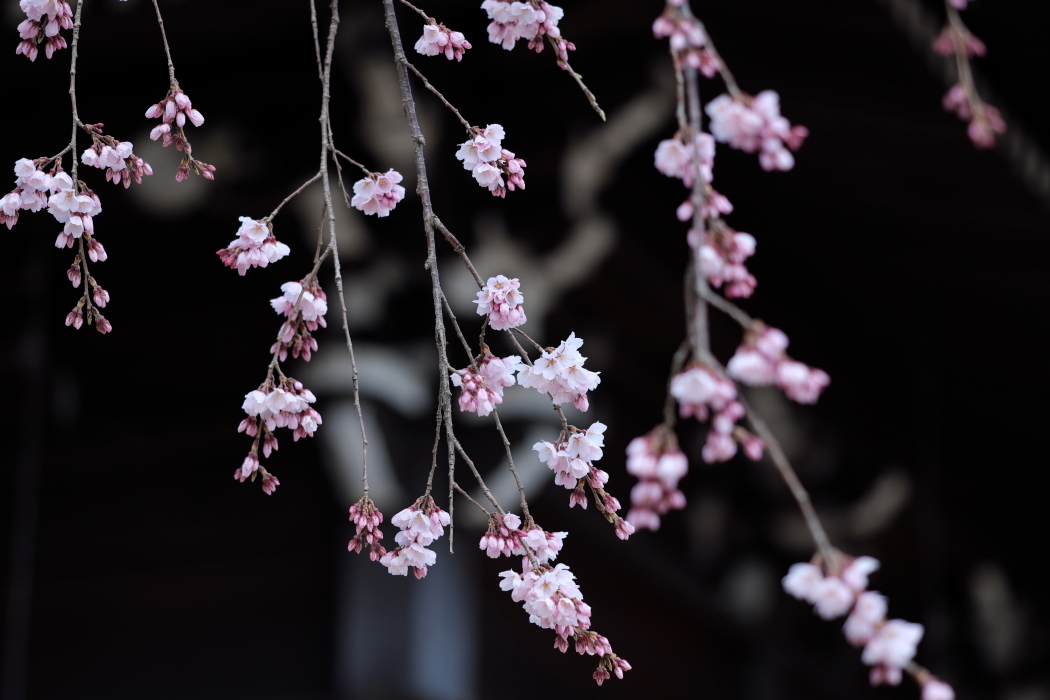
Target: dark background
[(898, 258)]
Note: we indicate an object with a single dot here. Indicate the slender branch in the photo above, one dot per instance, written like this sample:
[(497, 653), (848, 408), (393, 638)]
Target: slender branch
[(320, 234), (426, 83), (317, 44), (564, 65), (459, 248), (350, 160), (727, 307), (455, 324), (292, 196), (466, 495), (723, 69), (434, 454), (167, 50), (525, 335), (427, 17), (510, 464), (477, 475), (73, 87), (333, 246), (798, 491), (408, 105), (699, 331)]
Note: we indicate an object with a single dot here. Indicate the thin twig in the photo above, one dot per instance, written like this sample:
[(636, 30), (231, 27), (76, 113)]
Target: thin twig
[(366, 171), (727, 307), (459, 248), (326, 146), (427, 17), (320, 234), (292, 196), (564, 65), (798, 491), (426, 83), (455, 324), (466, 495), (699, 330), (317, 44), (510, 464), (167, 51)]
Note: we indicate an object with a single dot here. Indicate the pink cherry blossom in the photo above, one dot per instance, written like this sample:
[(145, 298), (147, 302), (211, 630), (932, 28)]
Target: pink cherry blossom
[(419, 524), (437, 39), (677, 158), (936, 689), (530, 21), (754, 124), (297, 332), (489, 163), (501, 301), (894, 645), (378, 193), (366, 518), (175, 110), (761, 360), (559, 372), (722, 257), (117, 159), (255, 246), (659, 465), (482, 390), (44, 20)]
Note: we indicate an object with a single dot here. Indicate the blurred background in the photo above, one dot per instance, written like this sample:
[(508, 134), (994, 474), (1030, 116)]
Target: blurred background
[(898, 258)]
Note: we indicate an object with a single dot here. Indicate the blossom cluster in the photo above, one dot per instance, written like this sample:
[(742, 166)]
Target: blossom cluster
[(530, 20), (687, 40), (553, 600), (889, 645), (117, 159), (676, 158), (560, 372), (659, 465), (985, 120), (174, 111), (366, 518), (486, 159), (501, 301), (506, 537), (420, 524), (482, 390), (572, 462), (702, 393), (437, 39), (255, 246), (378, 193), (754, 124), (761, 360), (285, 404), (44, 21), (722, 257), (296, 332)]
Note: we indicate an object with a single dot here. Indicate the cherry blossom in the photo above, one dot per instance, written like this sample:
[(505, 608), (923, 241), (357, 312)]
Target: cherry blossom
[(281, 404), (659, 465), (703, 393), (117, 159), (378, 193), (482, 390), (420, 524), (255, 246), (501, 301), (366, 518), (44, 20), (505, 537), (935, 689), (676, 157), (754, 124), (761, 360), (296, 332), (554, 601), (437, 39), (490, 163), (531, 21), (890, 650), (559, 372), (985, 120), (174, 111), (950, 39), (722, 257)]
